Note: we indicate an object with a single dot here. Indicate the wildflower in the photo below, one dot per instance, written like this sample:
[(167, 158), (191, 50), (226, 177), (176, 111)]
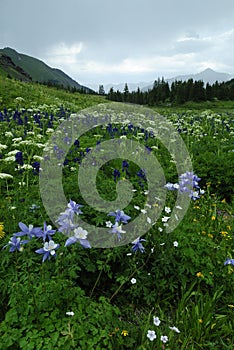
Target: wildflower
[(229, 261), (133, 280), (79, 235), (116, 174), (175, 244), (199, 274), (108, 224), (116, 228), (200, 320), (165, 218), (151, 335), (72, 209), (175, 329), (213, 218), (156, 321), (29, 231), (70, 313), (15, 243), (137, 245), (2, 233), (5, 176), (124, 333), (46, 232), (164, 339), (19, 158), (48, 250), (120, 216), (148, 220), (167, 210)]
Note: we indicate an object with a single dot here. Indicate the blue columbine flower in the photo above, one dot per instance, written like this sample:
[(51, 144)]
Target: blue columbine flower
[(46, 233), (116, 228), (48, 250), (137, 245), (229, 261), (120, 216), (29, 231), (80, 235), (15, 244)]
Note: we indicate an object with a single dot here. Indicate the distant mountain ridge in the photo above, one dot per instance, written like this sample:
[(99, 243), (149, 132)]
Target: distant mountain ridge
[(207, 76), (39, 71)]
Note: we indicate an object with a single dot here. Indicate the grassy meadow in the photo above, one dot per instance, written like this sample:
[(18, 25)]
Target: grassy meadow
[(169, 291)]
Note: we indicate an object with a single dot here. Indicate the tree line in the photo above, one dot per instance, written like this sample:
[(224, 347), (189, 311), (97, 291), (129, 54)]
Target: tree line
[(178, 92)]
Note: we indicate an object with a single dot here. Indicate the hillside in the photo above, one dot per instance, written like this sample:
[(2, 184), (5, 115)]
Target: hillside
[(9, 69), (33, 94), (41, 72)]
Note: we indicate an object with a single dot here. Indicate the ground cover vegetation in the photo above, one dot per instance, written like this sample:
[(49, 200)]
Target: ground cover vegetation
[(162, 291)]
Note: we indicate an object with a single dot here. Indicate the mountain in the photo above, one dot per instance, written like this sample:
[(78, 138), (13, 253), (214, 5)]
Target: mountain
[(41, 72), (207, 76), (9, 69)]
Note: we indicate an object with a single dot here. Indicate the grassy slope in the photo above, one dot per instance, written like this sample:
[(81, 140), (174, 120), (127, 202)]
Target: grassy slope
[(34, 93)]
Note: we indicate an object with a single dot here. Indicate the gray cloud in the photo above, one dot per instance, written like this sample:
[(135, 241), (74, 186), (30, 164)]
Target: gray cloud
[(105, 41)]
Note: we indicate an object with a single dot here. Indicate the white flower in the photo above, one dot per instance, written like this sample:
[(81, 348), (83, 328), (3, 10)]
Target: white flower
[(133, 280), (2, 146), (80, 233), (5, 176), (160, 229), (162, 244), (164, 338), (108, 224), (143, 211), (136, 207), (26, 166), (50, 246), (156, 321), (175, 243), (165, 218), (13, 153), (149, 220), (178, 207), (8, 134), (167, 210), (129, 254), (175, 329), (151, 335), (70, 313), (10, 159)]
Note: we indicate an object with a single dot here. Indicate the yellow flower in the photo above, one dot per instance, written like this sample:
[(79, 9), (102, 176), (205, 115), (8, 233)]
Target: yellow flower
[(224, 233), (210, 235), (229, 227), (213, 217), (199, 274), (200, 320), (124, 333), (231, 306), (211, 273), (2, 233)]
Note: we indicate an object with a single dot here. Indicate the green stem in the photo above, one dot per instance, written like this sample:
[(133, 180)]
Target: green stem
[(97, 280)]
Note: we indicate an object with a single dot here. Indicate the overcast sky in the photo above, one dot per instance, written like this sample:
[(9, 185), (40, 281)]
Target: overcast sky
[(111, 41)]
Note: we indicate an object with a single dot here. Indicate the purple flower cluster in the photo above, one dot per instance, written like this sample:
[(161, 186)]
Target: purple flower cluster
[(66, 221), (31, 232), (120, 218), (188, 183), (67, 225)]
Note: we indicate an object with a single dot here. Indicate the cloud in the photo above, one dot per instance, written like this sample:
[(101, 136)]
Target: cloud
[(62, 54)]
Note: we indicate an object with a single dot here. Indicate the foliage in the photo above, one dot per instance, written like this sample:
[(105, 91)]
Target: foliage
[(178, 287)]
